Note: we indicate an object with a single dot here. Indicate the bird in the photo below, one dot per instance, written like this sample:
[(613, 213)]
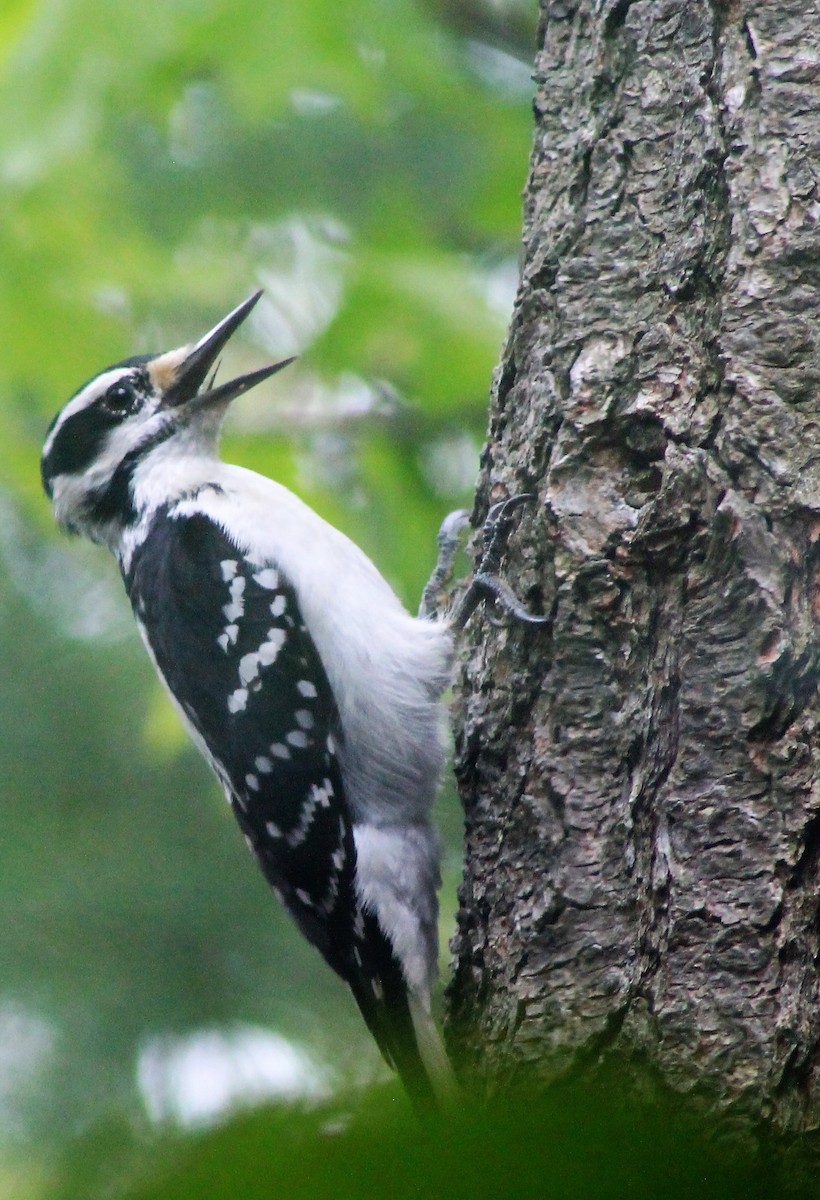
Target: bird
[(315, 697)]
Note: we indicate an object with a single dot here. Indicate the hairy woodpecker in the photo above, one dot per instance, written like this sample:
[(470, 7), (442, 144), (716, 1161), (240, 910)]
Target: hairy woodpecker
[(311, 692)]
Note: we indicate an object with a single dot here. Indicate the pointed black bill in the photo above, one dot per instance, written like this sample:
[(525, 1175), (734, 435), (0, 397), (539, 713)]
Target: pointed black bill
[(191, 375), (234, 387)]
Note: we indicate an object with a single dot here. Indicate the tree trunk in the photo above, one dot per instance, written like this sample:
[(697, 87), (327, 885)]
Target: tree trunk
[(640, 777)]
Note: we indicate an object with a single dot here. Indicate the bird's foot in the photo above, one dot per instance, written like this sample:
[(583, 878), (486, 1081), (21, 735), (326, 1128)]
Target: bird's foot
[(486, 583), (435, 598)]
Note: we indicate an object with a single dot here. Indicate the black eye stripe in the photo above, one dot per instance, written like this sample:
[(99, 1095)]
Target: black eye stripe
[(79, 441), (81, 438)]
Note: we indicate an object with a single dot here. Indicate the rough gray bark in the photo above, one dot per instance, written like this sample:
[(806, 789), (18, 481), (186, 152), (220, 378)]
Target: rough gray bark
[(641, 779)]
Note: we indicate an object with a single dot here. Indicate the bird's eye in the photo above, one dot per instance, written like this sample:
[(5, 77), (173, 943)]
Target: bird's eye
[(119, 399)]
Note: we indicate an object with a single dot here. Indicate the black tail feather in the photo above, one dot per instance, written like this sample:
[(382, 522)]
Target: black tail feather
[(381, 993)]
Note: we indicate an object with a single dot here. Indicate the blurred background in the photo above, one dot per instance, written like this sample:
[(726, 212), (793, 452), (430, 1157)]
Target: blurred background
[(362, 162)]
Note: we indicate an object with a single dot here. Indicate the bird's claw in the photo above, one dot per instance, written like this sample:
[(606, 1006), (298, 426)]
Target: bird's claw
[(501, 596), (486, 583)]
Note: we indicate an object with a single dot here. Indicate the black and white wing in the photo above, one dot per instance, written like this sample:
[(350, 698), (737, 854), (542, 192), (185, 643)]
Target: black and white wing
[(228, 639)]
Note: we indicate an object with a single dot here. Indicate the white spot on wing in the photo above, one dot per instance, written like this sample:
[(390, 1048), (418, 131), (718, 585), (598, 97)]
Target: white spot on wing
[(229, 569), (297, 738), (319, 797), (279, 751), (269, 579), (263, 765), (305, 688), (278, 606), (269, 650), (251, 664), (304, 718), (236, 608), (252, 782), (248, 667), (273, 829), (238, 700)]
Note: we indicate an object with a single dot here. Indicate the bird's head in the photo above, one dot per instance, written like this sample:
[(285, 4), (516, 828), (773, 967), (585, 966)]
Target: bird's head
[(108, 429)]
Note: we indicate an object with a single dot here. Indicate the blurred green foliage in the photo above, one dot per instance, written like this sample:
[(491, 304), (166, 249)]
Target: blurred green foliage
[(158, 161), (582, 1141)]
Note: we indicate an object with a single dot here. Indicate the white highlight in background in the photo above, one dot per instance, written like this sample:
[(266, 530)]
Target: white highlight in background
[(197, 1080)]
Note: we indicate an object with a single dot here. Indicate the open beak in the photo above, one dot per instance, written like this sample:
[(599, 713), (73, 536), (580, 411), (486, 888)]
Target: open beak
[(190, 375)]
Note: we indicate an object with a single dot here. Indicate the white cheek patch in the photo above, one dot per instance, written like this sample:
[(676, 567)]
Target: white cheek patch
[(122, 439), (70, 491)]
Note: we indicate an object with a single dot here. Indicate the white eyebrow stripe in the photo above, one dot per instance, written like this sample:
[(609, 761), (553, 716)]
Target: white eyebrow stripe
[(85, 397)]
